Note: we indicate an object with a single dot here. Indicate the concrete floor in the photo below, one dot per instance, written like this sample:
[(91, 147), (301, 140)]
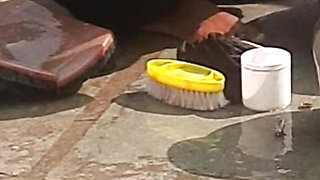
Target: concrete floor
[(111, 129)]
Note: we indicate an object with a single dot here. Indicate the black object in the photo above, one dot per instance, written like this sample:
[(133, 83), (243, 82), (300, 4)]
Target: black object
[(220, 53), (121, 16), (279, 130)]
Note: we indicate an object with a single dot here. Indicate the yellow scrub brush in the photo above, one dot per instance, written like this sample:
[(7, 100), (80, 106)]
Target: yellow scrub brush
[(184, 84)]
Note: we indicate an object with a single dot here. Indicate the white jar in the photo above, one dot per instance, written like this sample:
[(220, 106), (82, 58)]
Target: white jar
[(266, 78)]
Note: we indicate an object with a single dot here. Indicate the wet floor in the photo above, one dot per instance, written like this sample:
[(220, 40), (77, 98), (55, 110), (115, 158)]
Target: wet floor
[(251, 150), (112, 130)]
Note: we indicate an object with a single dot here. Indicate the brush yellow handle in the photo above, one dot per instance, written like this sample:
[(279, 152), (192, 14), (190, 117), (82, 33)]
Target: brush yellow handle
[(185, 75)]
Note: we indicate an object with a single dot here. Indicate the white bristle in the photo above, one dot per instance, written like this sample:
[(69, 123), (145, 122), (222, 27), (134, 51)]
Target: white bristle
[(185, 98)]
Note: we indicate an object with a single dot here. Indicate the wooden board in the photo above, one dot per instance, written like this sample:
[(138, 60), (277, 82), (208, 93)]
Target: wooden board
[(47, 49)]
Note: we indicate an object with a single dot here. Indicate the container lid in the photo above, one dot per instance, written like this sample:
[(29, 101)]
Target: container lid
[(266, 59)]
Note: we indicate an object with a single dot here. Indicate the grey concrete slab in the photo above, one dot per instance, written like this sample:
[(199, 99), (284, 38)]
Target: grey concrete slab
[(135, 133), (25, 141), (124, 136), (131, 139)]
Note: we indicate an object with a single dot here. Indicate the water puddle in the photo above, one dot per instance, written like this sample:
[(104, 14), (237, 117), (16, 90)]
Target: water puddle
[(252, 150)]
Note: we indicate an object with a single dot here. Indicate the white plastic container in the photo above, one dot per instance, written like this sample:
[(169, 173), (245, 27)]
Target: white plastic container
[(266, 78)]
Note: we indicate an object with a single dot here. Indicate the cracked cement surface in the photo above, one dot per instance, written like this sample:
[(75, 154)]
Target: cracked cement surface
[(111, 129)]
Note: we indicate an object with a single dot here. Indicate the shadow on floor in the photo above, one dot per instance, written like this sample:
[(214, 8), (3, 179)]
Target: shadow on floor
[(22, 107), (141, 101), (129, 50)]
